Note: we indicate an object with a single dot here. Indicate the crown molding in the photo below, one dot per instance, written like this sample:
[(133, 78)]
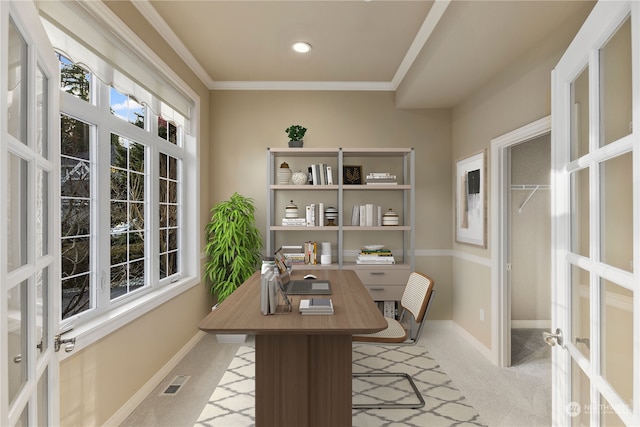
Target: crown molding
[(149, 12), (302, 85)]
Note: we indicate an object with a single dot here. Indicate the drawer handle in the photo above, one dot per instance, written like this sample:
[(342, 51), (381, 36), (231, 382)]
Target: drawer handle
[(377, 273), (377, 289)]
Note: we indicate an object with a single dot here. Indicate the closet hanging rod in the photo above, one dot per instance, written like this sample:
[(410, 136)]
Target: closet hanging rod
[(530, 187)]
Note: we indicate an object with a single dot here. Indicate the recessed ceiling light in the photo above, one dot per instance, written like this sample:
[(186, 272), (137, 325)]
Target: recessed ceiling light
[(302, 47)]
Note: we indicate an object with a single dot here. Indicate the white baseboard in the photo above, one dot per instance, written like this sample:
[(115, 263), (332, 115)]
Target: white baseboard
[(135, 400), (473, 341), (531, 324), (486, 352)]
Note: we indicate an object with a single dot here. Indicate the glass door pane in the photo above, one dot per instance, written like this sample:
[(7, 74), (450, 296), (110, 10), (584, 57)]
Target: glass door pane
[(17, 184), (616, 320), (17, 338), (615, 85), (16, 77), (580, 115), (580, 212), (616, 204), (581, 310)]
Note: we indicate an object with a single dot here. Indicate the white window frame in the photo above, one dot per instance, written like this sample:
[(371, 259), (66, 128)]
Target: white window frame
[(101, 321)]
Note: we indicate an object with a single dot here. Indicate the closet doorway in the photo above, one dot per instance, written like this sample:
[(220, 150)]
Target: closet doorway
[(521, 236)]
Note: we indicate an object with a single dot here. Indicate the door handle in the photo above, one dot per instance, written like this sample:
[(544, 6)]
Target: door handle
[(552, 339)]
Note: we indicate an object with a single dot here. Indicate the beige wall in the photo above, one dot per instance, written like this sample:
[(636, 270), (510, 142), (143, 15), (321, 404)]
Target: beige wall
[(518, 95), (244, 124), (97, 381), (531, 232)]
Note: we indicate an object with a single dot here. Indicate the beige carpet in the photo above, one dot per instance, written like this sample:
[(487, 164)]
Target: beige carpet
[(232, 402)]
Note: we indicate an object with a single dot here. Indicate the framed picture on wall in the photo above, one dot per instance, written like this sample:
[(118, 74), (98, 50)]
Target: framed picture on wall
[(351, 175), (471, 200)]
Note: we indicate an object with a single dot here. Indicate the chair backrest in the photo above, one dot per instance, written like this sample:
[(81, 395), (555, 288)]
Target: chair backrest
[(416, 295)]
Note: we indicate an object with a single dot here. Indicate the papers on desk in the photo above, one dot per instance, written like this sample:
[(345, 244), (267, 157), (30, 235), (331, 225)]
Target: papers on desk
[(316, 306)]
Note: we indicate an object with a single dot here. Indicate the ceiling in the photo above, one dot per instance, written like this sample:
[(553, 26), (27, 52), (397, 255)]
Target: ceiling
[(433, 54)]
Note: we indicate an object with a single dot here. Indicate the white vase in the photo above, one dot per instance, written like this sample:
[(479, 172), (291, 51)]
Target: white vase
[(300, 178), (284, 174)]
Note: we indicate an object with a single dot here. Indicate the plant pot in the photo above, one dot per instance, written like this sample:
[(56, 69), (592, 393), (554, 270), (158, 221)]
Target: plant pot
[(295, 144)]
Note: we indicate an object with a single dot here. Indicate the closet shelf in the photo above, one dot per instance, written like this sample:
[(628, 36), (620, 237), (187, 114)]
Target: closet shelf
[(533, 188)]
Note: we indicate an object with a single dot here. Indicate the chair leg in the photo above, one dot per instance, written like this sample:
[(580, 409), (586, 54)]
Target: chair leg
[(390, 405)]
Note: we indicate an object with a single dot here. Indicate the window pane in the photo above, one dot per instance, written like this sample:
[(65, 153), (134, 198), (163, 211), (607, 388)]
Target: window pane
[(126, 108), (616, 193), (580, 115), (75, 138), (615, 85), (76, 217), (617, 338), (17, 89), (169, 232), (76, 294), (167, 130), (74, 79), (17, 212), (580, 212), (128, 216)]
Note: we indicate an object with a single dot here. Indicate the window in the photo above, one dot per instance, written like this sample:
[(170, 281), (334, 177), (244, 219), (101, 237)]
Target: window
[(121, 185)]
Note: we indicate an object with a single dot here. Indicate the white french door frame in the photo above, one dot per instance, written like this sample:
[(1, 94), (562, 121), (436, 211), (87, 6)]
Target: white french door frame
[(40, 359), (583, 52)]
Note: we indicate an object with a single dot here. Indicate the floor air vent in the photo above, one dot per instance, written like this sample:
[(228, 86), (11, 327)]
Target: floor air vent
[(175, 385)]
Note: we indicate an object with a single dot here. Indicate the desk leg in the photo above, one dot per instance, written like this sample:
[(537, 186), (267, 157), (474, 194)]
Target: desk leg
[(303, 380)]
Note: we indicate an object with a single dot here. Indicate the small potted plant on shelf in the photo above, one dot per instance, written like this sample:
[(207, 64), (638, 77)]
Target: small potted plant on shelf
[(296, 134), (233, 244)]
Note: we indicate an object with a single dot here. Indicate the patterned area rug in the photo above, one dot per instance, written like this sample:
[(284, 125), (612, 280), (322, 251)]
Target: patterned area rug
[(232, 402)]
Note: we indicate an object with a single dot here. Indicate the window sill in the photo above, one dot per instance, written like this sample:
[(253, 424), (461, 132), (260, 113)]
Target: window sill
[(98, 328)]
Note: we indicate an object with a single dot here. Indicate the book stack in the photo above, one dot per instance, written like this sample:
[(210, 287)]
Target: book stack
[(316, 306), (378, 256), (294, 222), (293, 254), (377, 178)]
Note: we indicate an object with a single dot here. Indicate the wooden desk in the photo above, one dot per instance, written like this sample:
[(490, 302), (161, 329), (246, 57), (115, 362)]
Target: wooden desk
[(303, 363)]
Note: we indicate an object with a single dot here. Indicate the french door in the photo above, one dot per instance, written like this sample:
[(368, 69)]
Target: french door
[(596, 215), (29, 254)]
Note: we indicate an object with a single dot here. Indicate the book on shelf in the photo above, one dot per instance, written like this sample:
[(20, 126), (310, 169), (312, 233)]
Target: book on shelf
[(321, 174), (366, 215), (316, 306)]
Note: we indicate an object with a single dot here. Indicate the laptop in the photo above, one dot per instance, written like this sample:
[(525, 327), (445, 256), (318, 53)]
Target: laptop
[(304, 287)]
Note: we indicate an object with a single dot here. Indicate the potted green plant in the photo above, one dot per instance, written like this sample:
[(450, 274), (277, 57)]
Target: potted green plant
[(296, 134), (233, 244)]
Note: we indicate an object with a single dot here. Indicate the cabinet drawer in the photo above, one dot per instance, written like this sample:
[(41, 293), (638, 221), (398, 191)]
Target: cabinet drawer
[(383, 276), (385, 293)]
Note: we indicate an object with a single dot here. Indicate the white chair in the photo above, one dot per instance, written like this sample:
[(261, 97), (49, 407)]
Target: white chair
[(416, 300)]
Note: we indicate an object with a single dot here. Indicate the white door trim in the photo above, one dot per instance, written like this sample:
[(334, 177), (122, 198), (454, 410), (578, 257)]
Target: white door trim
[(500, 291)]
